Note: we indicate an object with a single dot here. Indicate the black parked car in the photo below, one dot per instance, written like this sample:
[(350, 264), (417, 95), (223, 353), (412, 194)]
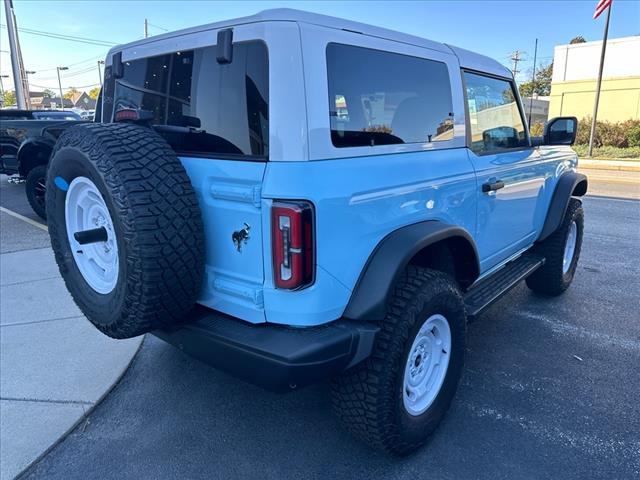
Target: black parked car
[(26, 140)]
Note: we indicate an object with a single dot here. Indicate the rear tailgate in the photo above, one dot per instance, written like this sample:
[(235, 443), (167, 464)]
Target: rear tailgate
[(229, 196)]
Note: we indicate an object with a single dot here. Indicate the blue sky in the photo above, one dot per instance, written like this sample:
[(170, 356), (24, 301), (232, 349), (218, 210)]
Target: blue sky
[(494, 28)]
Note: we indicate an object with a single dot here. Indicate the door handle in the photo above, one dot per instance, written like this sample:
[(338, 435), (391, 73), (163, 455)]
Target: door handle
[(493, 186)]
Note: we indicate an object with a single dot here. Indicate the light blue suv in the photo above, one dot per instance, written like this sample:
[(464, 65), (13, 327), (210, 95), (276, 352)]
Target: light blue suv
[(292, 197)]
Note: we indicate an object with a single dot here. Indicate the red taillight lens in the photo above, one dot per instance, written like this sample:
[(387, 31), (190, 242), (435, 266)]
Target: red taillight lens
[(126, 114), (293, 244)]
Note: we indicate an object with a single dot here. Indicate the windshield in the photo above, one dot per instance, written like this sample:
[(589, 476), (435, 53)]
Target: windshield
[(53, 115)]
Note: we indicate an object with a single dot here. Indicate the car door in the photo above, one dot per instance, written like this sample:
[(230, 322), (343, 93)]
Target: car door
[(510, 174)]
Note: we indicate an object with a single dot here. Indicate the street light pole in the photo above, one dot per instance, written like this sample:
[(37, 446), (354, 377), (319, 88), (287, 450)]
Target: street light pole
[(27, 73), (60, 85), (2, 85), (2, 90), (100, 62)]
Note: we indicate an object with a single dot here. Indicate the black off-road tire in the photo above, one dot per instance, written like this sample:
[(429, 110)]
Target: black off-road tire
[(550, 278), (368, 398), (156, 220), (35, 189)]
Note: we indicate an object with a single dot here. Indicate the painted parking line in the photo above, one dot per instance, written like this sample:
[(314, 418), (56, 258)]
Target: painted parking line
[(24, 219)]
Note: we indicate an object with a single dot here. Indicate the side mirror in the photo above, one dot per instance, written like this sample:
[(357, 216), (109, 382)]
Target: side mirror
[(561, 131)]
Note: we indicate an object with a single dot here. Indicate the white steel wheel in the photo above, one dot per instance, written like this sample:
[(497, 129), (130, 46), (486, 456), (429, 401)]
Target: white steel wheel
[(570, 247), (85, 209), (427, 364)]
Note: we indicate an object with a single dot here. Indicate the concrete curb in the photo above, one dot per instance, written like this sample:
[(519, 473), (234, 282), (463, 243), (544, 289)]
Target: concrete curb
[(616, 165), (80, 419), (56, 367)]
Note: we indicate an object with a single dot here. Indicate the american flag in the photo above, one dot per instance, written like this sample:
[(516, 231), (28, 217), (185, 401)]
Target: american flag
[(601, 7)]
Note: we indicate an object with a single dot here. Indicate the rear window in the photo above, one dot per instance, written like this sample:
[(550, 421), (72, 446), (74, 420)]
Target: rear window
[(203, 107), (382, 98)]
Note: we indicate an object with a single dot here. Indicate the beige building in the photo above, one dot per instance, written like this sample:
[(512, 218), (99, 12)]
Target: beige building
[(575, 72)]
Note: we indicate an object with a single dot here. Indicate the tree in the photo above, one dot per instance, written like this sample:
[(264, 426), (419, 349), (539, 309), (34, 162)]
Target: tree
[(48, 93), (578, 39), (70, 93), (94, 92), (9, 98), (542, 84)]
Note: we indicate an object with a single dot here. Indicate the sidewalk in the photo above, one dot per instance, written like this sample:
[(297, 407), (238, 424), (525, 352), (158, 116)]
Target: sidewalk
[(54, 365)]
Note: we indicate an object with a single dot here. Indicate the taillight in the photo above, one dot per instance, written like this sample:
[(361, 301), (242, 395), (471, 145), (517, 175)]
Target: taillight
[(293, 244), (126, 114), (132, 115)]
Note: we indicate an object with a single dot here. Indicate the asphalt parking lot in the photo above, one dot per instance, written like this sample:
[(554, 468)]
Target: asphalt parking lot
[(550, 390)]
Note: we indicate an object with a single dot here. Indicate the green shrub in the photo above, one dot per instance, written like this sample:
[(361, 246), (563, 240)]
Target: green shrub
[(609, 134), (609, 152), (633, 136)]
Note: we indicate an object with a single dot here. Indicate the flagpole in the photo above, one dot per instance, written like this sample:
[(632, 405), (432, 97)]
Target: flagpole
[(533, 82), (599, 83)]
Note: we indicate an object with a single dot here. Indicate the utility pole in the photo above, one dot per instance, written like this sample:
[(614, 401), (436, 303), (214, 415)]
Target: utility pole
[(146, 28), (599, 84), (100, 62), (29, 72), (19, 77), (2, 90), (516, 58), (60, 86), (533, 82)]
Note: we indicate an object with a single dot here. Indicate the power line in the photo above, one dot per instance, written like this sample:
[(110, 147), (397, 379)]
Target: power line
[(71, 38), (82, 71), (53, 69), (158, 27), (74, 74), (69, 88)]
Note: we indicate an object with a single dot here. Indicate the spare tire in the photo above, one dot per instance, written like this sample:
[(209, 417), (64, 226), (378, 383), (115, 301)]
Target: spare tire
[(125, 227)]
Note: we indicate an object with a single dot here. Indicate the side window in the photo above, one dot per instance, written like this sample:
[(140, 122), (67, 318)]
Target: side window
[(494, 116), (382, 98), (200, 106)]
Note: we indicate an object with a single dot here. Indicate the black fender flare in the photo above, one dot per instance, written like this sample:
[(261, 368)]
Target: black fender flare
[(570, 184), (25, 163), (389, 259)]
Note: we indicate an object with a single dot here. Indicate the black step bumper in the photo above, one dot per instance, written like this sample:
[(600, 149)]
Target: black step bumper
[(275, 357)]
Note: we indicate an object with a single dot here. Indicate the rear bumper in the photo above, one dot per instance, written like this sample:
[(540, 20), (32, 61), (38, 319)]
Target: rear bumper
[(275, 357)]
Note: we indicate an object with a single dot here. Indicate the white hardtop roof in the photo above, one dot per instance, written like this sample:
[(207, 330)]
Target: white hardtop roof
[(466, 58)]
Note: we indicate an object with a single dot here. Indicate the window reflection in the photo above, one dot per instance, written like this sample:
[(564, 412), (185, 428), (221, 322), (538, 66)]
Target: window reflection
[(382, 98), (494, 116), (199, 105)]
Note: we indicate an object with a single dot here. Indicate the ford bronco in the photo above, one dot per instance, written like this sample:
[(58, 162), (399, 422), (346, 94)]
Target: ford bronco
[(292, 197)]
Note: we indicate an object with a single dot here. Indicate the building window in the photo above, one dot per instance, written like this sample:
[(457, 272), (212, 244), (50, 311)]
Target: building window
[(201, 106), (494, 117), (381, 98)]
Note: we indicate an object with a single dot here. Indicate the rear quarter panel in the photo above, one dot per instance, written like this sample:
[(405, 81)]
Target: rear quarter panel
[(358, 201)]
